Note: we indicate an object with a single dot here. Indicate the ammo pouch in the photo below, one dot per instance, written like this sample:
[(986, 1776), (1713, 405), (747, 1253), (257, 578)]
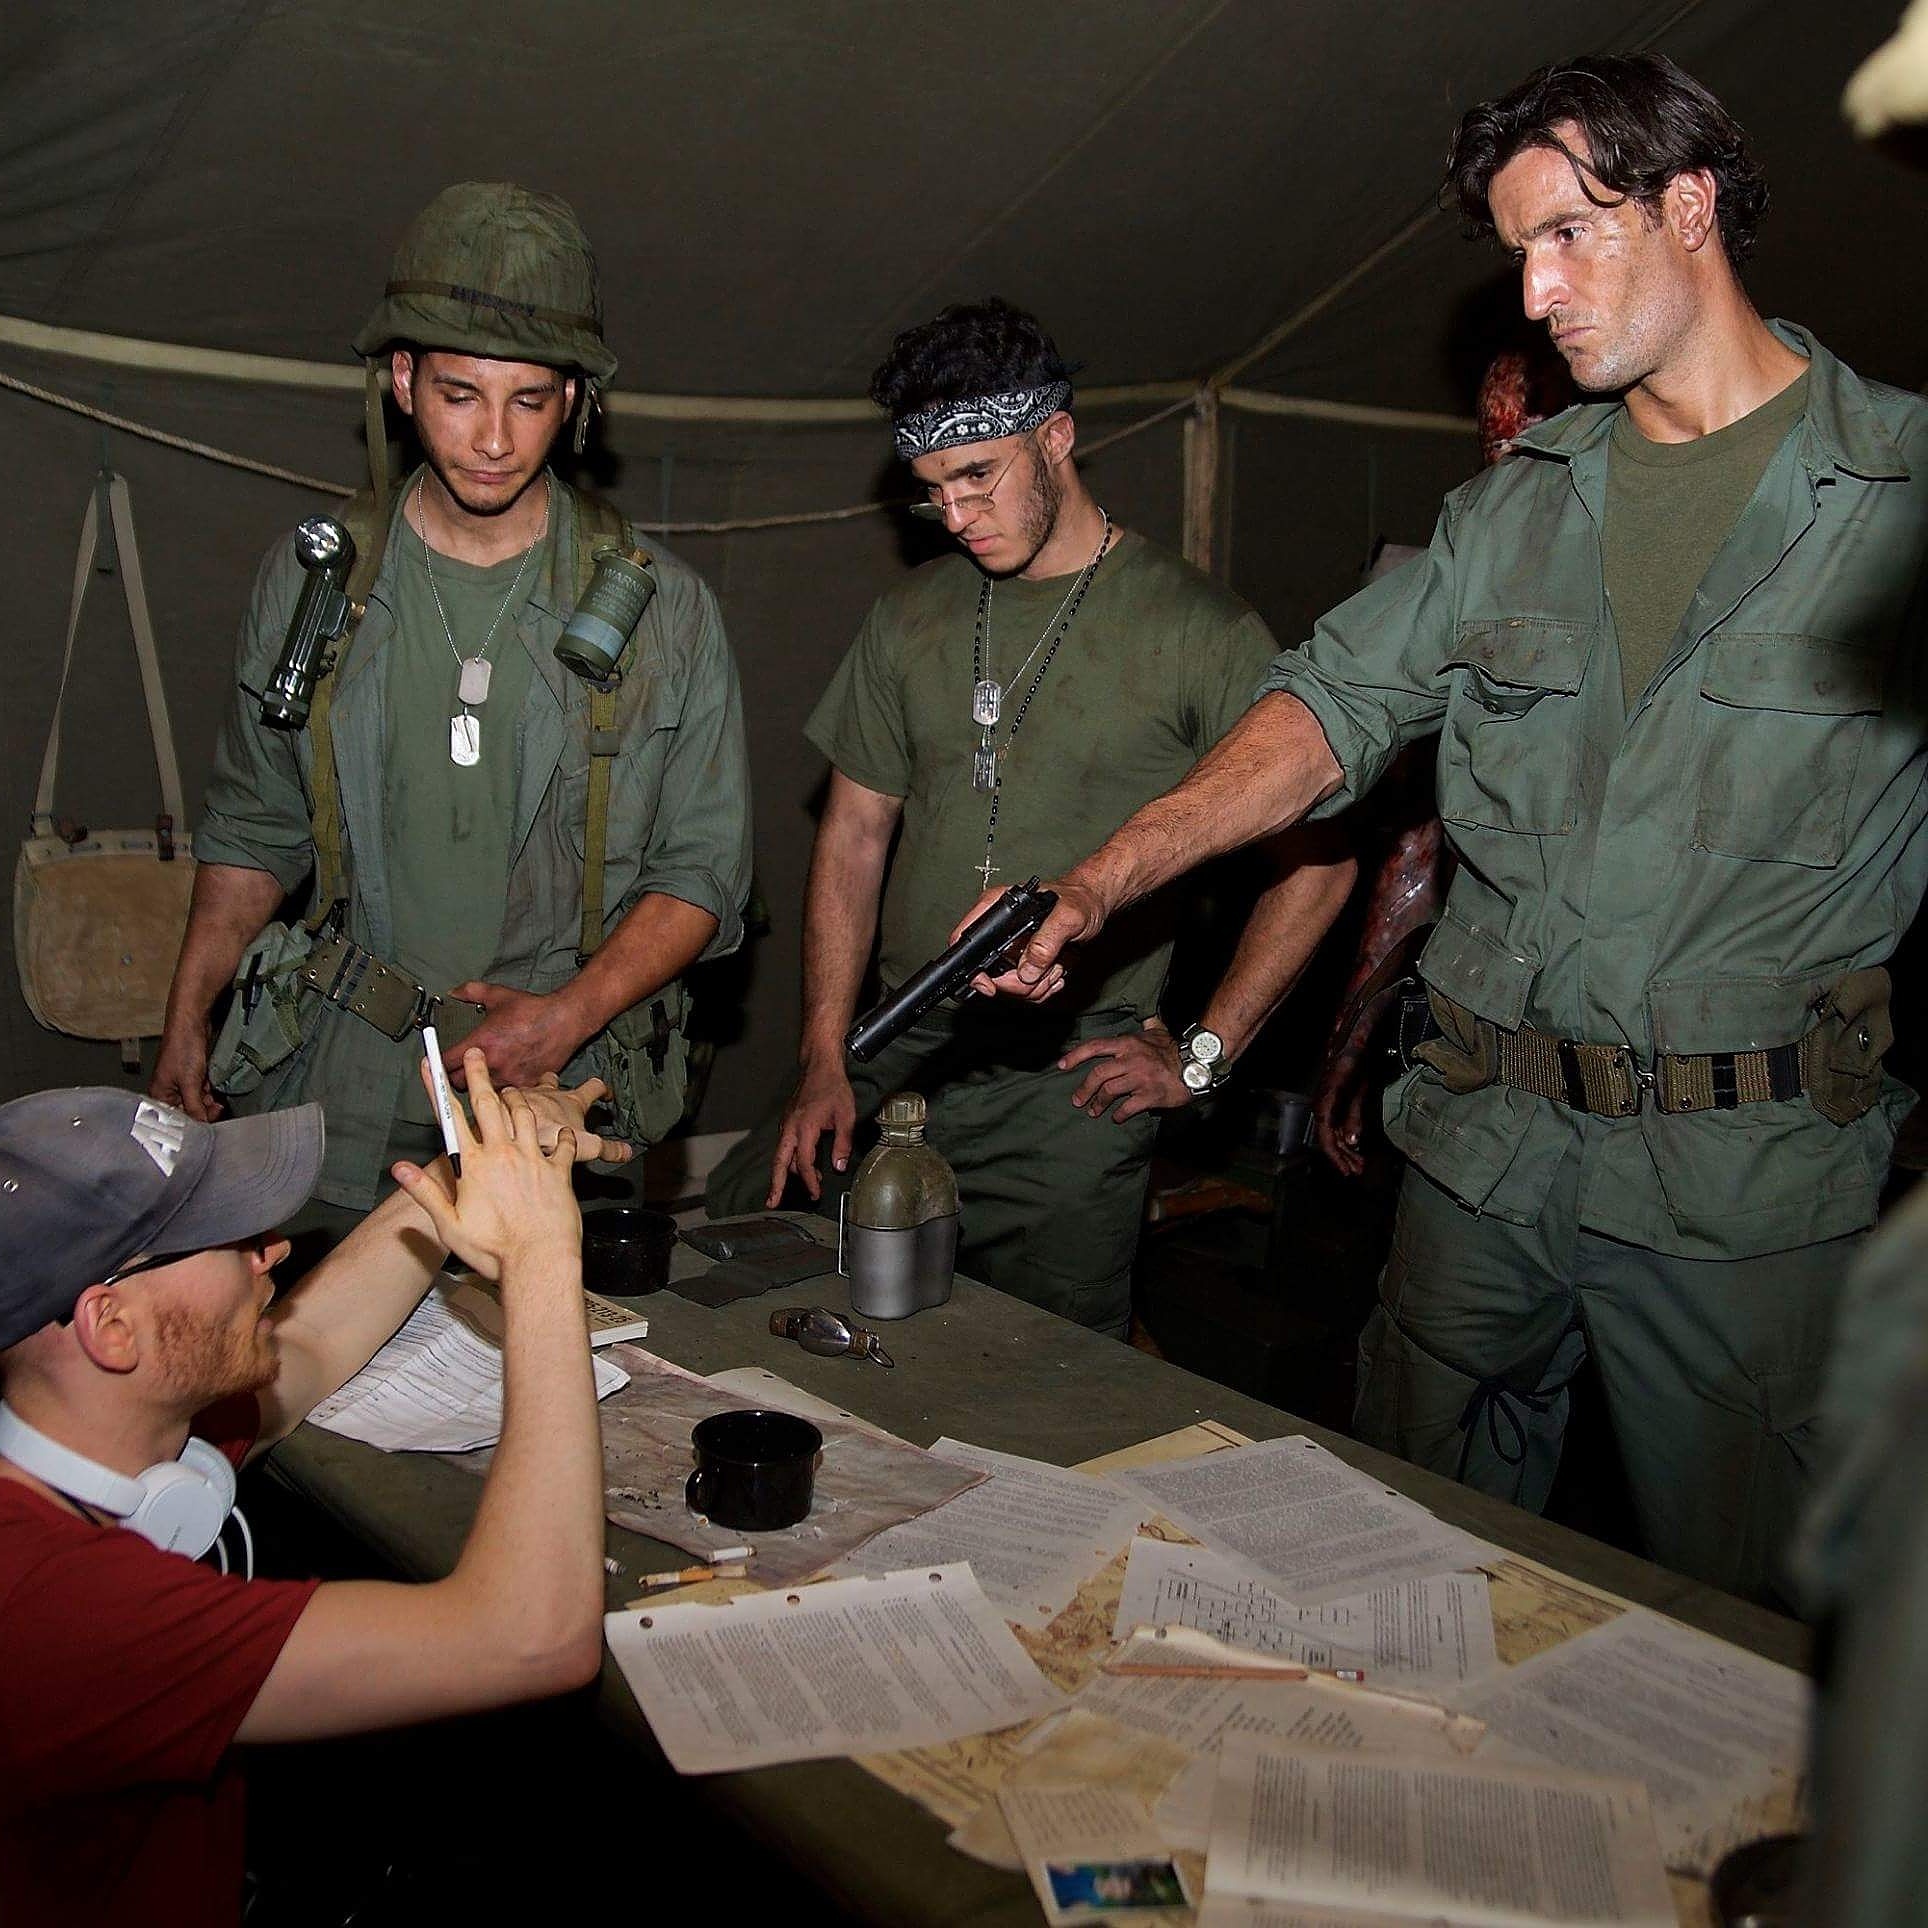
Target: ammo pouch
[(644, 1059), (1841, 1057), (263, 1025), (1466, 1054)]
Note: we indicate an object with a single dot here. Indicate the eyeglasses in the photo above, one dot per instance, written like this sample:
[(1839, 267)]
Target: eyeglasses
[(941, 501), (257, 1246)]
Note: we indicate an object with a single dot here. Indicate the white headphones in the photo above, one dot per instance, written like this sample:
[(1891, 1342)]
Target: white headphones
[(181, 1505)]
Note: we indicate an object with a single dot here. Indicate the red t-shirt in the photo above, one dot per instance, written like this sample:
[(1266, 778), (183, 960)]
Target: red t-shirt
[(124, 1672)]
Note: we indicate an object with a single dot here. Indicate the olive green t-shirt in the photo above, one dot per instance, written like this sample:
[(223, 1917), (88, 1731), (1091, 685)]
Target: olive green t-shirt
[(449, 825), (1159, 662), (1670, 507)]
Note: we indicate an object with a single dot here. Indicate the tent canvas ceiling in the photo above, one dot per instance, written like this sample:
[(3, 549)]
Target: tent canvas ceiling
[(773, 189)]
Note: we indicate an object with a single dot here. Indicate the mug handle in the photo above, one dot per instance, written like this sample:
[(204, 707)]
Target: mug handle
[(693, 1492)]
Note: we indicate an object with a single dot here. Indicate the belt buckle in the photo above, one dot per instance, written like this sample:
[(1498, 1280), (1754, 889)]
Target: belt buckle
[(1631, 1081)]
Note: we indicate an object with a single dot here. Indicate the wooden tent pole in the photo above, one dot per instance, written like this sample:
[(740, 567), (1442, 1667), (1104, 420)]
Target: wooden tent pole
[(1201, 478)]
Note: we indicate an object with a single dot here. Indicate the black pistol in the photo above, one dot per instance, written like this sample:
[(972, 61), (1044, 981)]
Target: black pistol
[(1001, 929), (326, 553)]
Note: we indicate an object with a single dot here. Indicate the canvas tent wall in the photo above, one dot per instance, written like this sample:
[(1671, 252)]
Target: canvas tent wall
[(773, 190)]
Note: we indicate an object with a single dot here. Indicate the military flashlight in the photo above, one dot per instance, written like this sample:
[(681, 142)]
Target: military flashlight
[(326, 552)]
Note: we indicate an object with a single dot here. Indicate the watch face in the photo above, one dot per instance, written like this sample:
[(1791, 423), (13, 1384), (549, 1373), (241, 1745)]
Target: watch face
[(1197, 1077), (1207, 1046)]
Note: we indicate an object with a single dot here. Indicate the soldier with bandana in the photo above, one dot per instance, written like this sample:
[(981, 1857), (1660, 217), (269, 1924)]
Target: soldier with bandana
[(998, 709)]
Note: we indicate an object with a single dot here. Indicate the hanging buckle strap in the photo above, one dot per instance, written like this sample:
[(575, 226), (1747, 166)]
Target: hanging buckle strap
[(146, 654)]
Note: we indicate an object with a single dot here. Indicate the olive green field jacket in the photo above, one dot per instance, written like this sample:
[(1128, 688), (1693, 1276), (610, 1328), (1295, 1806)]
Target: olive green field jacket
[(679, 812), (1686, 878)]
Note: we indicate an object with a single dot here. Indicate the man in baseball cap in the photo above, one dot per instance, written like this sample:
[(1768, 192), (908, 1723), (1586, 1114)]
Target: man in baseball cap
[(143, 1357)]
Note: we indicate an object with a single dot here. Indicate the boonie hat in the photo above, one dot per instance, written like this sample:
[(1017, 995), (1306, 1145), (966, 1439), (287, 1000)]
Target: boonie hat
[(490, 268), (94, 1178)]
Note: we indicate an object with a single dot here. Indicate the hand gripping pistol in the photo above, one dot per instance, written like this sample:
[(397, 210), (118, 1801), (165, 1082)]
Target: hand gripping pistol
[(998, 932)]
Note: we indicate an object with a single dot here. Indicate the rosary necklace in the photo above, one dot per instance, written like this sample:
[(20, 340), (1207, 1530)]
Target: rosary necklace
[(987, 696), (474, 672)]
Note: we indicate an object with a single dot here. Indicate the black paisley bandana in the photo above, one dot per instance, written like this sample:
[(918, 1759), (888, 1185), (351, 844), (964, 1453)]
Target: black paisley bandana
[(978, 418)]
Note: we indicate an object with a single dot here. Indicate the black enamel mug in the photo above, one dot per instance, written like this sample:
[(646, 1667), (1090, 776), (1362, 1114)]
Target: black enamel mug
[(625, 1250), (754, 1470)]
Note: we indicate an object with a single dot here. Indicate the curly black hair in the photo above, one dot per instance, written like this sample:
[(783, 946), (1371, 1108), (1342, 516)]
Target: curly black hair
[(972, 348), (1643, 121)]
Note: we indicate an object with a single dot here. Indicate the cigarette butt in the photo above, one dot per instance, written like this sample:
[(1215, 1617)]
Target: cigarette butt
[(690, 1575), (611, 1565), (732, 1553), (1348, 1673)]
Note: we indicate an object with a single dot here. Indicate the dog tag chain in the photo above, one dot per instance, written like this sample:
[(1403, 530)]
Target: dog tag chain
[(473, 673)]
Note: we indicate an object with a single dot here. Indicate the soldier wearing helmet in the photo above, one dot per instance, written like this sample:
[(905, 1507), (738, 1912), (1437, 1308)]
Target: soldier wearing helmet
[(477, 836)]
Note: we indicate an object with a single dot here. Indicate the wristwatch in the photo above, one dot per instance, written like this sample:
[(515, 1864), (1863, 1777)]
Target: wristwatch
[(1203, 1064)]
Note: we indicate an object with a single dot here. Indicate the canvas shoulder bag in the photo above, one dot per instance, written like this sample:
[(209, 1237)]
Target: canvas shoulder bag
[(98, 915)]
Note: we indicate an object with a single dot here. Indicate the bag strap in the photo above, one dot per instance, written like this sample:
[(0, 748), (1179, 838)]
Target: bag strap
[(597, 523), (146, 653), (367, 523)]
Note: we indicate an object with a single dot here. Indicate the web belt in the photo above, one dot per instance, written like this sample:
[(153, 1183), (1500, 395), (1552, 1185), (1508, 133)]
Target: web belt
[(384, 995), (1605, 1080)]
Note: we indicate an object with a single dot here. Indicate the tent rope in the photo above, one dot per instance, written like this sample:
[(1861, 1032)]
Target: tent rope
[(186, 445)]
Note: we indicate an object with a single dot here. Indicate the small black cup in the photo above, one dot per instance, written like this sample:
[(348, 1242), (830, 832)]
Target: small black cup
[(754, 1470), (625, 1250)]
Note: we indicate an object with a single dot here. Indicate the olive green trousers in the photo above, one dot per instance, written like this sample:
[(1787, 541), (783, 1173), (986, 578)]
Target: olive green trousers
[(1050, 1199), (1712, 1370)]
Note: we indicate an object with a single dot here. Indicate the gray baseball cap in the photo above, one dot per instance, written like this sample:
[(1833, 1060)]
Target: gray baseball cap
[(92, 1179)]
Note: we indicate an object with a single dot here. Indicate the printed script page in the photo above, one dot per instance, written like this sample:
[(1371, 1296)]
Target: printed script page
[(1493, 1848), (845, 1667), (1291, 1514)]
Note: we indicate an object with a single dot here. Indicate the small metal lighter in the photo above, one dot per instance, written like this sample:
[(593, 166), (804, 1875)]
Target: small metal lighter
[(829, 1334)]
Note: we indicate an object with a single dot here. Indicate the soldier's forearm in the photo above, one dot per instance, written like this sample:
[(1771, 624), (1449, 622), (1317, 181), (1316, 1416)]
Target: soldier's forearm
[(839, 926), (1288, 923), (659, 938), (1261, 778), (231, 904)]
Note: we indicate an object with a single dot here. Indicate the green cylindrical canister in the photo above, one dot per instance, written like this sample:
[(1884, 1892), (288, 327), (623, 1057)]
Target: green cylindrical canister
[(598, 630), (900, 1219)]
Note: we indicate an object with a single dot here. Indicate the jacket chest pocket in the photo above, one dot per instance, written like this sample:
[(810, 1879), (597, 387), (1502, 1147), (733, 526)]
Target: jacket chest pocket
[(1785, 718), (1509, 747)]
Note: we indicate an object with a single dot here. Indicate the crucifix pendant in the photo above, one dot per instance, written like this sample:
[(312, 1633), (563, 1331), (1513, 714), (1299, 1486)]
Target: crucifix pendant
[(987, 870), (473, 687), (986, 701), (465, 740)]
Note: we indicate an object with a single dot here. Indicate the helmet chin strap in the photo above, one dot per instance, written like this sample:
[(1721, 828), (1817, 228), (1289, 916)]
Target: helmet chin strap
[(376, 420)]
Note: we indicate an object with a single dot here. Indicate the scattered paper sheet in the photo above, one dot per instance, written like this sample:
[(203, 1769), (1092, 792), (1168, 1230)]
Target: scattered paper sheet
[(1289, 1513), (1245, 1911), (1718, 1735), (847, 1667), (757, 1386), (1490, 1848), (1074, 1749), (1033, 1533), (1202, 1715), (1092, 1854), (1435, 1632), (436, 1387)]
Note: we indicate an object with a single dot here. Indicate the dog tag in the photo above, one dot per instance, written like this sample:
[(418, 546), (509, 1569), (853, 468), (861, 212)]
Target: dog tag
[(465, 740), (986, 700), (474, 686), (983, 767)]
